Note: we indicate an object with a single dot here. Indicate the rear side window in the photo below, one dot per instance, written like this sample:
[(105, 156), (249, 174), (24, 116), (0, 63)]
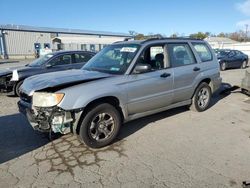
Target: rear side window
[(82, 58), (61, 60), (203, 52), (180, 55)]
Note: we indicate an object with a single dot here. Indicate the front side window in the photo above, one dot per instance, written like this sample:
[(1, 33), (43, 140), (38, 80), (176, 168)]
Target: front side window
[(180, 55), (153, 56), (61, 60), (114, 59), (203, 52), (231, 54)]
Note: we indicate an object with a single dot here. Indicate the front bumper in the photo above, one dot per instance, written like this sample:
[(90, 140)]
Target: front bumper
[(26, 109), (47, 119), (6, 85)]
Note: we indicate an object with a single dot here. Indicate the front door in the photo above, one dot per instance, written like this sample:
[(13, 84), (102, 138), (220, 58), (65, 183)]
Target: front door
[(153, 89)]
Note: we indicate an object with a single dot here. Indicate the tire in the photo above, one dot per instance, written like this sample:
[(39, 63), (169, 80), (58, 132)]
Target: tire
[(17, 88), (202, 97), (244, 64), (223, 66), (100, 125)]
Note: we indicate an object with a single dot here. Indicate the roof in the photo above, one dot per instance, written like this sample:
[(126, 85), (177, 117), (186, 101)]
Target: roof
[(220, 40), (59, 30), (71, 51), (86, 40)]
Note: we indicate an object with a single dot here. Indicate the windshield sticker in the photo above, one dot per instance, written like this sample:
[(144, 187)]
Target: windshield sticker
[(114, 69), (128, 49)]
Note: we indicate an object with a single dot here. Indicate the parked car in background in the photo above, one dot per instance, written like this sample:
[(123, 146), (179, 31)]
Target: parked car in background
[(125, 81), (11, 79), (232, 59)]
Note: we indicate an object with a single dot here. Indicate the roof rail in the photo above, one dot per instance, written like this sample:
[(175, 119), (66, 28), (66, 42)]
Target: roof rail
[(170, 38), (126, 39)]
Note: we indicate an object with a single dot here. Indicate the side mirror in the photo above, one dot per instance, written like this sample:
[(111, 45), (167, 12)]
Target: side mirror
[(48, 65), (142, 68)]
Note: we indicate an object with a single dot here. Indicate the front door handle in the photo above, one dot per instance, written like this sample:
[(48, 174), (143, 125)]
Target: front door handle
[(165, 75), (196, 69)]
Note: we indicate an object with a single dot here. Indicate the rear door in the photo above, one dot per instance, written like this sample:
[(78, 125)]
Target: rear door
[(185, 70)]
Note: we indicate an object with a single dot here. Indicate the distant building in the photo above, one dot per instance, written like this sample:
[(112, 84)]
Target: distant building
[(19, 41), (219, 42)]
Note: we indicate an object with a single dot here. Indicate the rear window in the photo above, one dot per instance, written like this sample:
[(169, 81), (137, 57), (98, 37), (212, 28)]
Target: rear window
[(203, 51)]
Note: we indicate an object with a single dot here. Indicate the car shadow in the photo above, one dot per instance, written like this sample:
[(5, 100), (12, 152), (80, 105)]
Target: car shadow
[(135, 125), (17, 137)]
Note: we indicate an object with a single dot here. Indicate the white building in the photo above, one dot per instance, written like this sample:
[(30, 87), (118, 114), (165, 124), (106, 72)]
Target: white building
[(219, 42), (19, 41), (226, 43)]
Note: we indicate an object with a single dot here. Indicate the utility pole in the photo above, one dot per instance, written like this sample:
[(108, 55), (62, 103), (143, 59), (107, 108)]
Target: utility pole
[(246, 25)]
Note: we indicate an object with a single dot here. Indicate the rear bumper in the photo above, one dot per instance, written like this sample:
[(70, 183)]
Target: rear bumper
[(216, 83)]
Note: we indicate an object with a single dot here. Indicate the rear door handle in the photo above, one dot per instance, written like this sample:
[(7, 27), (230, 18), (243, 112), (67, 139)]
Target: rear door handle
[(165, 75), (196, 69)]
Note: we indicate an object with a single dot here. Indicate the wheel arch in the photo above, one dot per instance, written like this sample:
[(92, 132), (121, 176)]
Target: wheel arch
[(205, 80), (114, 101)]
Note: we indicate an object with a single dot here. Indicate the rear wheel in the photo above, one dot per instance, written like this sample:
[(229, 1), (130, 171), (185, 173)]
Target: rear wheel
[(100, 125), (201, 98), (17, 88), (244, 64), (223, 66)]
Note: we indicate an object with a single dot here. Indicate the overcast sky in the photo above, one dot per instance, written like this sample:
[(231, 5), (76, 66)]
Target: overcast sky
[(145, 16)]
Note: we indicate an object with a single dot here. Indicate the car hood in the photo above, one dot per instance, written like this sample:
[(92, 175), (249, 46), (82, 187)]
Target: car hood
[(59, 80), (6, 71)]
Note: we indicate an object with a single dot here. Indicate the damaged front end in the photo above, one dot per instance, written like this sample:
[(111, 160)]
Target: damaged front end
[(55, 119), (6, 84), (46, 118)]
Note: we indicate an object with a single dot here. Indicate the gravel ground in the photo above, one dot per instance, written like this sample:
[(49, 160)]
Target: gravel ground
[(176, 148)]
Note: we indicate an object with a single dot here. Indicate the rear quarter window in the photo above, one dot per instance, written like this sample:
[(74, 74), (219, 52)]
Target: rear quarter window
[(203, 51)]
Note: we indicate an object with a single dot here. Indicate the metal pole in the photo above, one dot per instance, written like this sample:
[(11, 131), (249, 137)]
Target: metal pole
[(246, 32), (2, 44)]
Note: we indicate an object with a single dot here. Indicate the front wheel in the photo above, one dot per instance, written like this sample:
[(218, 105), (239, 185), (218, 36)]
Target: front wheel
[(100, 125), (17, 88), (201, 98)]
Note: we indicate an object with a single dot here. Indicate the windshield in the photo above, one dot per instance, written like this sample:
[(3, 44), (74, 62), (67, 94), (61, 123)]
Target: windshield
[(113, 59), (40, 61)]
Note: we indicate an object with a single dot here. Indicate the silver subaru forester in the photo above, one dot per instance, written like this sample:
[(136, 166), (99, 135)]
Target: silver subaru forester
[(124, 81)]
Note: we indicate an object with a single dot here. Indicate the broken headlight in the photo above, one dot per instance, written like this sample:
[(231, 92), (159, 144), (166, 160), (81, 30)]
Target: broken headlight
[(41, 99)]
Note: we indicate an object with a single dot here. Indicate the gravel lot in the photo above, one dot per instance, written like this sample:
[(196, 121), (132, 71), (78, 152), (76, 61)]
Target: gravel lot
[(176, 148)]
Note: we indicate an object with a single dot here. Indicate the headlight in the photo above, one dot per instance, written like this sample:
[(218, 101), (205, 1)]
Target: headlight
[(47, 99), (15, 76)]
